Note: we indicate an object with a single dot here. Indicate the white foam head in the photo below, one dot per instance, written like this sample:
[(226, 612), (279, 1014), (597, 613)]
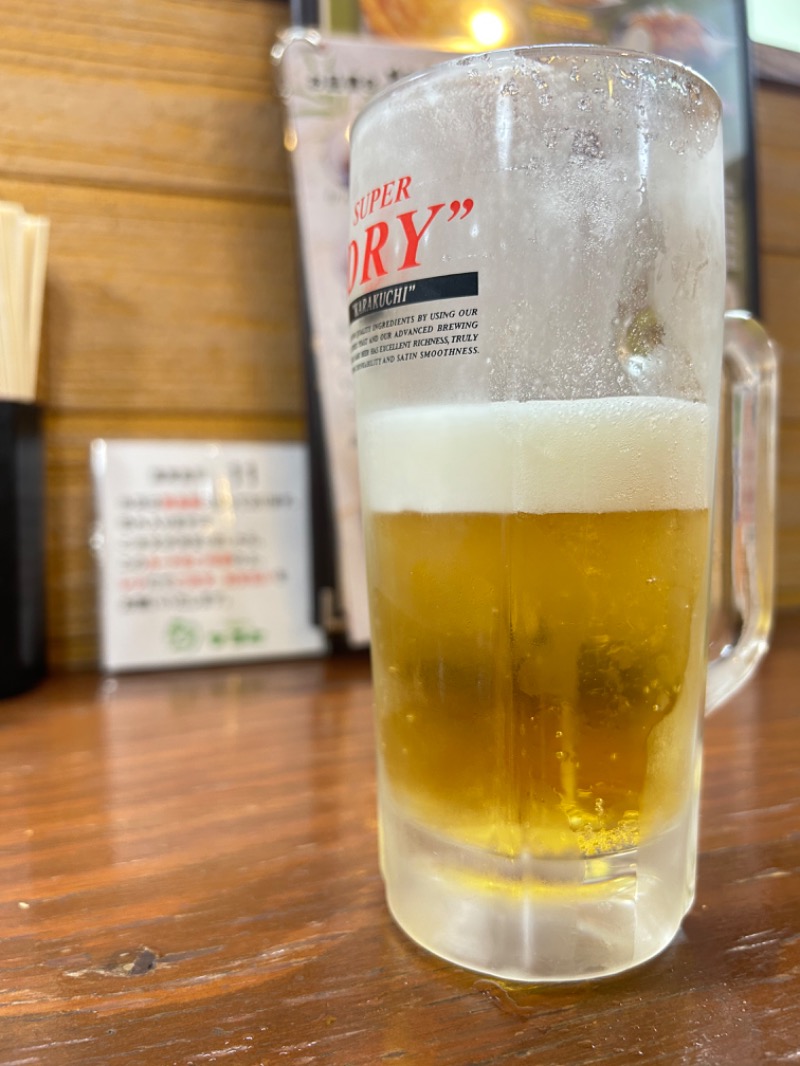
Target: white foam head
[(619, 453)]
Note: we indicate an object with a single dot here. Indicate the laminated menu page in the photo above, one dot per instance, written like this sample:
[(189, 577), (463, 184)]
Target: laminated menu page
[(203, 553)]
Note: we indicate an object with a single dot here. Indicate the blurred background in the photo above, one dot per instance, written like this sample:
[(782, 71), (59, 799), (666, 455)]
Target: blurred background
[(151, 134)]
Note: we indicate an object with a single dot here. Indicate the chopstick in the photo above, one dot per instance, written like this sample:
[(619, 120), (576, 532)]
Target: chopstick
[(36, 241), (23, 259)]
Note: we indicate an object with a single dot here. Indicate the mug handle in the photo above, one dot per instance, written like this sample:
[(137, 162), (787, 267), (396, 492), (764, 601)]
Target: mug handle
[(751, 368)]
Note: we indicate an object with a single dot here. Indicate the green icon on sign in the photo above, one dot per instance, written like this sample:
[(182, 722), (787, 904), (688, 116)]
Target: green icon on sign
[(237, 633), (183, 635)]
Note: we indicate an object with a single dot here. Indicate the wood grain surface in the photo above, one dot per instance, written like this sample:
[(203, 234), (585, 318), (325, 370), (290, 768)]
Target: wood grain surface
[(168, 94), (188, 875), (776, 64), (150, 133), (777, 117)]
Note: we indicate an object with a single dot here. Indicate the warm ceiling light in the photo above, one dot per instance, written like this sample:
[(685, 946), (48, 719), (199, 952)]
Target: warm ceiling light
[(488, 27)]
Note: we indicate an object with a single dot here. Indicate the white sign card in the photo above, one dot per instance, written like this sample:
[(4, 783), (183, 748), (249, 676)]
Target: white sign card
[(203, 551), (325, 83)]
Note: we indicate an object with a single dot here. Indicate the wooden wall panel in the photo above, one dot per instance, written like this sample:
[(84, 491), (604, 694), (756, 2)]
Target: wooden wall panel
[(778, 146), (171, 93), (780, 275), (150, 133), (777, 117), (163, 301)]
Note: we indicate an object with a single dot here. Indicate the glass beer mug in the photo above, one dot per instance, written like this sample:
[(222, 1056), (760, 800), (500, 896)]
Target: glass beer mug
[(536, 276)]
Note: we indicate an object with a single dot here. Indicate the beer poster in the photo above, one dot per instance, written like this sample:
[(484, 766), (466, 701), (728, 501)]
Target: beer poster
[(710, 36), (325, 83)]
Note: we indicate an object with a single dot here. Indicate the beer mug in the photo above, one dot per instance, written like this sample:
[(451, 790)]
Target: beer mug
[(536, 274)]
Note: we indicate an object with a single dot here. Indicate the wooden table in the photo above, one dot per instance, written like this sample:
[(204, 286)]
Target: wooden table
[(188, 875)]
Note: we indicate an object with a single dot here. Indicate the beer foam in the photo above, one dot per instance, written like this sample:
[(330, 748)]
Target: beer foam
[(616, 453)]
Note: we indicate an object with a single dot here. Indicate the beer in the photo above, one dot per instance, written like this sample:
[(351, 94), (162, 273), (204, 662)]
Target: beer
[(538, 604)]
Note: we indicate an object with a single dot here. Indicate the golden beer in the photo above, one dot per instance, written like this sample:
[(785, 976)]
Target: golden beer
[(538, 604)]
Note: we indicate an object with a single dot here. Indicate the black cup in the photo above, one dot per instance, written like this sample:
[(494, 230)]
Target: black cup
[(22, 625)]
